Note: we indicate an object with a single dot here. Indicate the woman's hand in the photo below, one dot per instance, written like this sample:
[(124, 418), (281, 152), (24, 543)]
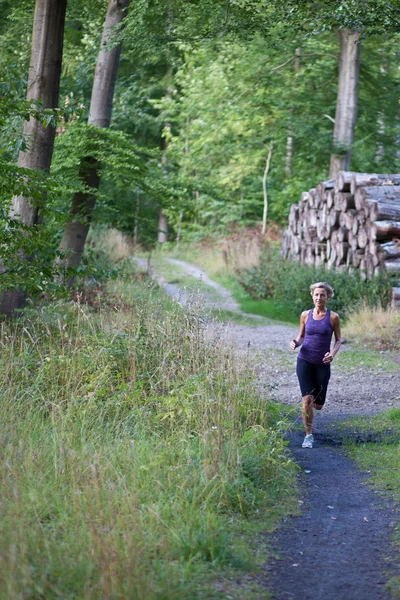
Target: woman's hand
[(293, 345), (328, 358)]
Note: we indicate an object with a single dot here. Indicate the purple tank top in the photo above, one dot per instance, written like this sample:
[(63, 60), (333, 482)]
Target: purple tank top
[(317, 339)]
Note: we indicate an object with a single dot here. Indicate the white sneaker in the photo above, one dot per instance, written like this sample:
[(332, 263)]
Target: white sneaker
[(308, 441)]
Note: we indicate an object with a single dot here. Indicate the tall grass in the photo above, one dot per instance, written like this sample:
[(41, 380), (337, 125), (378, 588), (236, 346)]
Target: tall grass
[(133, 451), (229, 255), (375, 325)]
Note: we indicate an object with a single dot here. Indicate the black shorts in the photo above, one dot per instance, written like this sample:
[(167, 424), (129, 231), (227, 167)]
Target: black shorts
[(313, 379)]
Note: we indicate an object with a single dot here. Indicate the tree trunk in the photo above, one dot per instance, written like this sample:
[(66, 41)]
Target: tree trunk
[(265, 211), (346, 105), (162, 227), (289, 140), (83, 204), (382, 230), (372, 180), (43, 86)]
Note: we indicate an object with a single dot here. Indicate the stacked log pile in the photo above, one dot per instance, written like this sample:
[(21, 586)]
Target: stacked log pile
[(352, 222)]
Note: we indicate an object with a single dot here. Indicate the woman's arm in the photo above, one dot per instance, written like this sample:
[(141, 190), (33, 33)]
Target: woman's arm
[(295, 343), (335, 321)]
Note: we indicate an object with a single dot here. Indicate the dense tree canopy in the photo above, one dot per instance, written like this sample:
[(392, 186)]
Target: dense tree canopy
[(204, 92)]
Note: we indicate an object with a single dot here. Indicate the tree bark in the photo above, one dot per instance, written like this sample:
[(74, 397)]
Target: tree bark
[(162, 227), (289, 140), (373, 179), (43, 86), (83, 204), (265, 211), (346, 105), (382, 230)]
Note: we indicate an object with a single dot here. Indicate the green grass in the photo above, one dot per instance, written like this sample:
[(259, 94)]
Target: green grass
[(371, 360), (381, 459), (268, 308), (138, 461)]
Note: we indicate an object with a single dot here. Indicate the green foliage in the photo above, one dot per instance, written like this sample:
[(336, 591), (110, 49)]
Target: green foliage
[(137, 453), (230, 101), (204, 89), (289, 283), (370, 17)]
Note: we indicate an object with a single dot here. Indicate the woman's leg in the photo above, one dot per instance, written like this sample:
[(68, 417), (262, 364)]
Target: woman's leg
[(304, 371), (308, 413), (320, 379), (321, 376)]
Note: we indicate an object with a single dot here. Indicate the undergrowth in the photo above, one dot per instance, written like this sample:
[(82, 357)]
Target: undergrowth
[(375, 326), (288, 282), (135, 452)]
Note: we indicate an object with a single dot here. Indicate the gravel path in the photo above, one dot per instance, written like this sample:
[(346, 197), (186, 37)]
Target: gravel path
[(339, 548), (351, 390)]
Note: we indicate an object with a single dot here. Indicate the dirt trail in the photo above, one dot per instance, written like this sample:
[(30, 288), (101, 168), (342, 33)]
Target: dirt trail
[(220, 299), (339, 548)]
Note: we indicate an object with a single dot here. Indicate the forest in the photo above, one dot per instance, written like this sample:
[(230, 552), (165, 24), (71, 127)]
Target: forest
[(144, 443), (198, 118)]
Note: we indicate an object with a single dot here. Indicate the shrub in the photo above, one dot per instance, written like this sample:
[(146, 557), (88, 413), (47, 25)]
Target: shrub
[(289, 283)]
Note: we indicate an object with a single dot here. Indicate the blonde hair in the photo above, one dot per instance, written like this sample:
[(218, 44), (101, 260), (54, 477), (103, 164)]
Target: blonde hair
[(322, 284)]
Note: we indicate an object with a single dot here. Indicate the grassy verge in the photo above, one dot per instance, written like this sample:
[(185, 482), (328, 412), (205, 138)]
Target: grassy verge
[(375, 327), (267, 308), (352, 360), (381, 458), (138, 461)]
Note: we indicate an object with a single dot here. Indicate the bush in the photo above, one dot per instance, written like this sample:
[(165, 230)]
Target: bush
[(289, 283)]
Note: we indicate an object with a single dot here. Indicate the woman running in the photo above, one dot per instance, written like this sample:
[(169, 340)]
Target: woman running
[(315, 357)]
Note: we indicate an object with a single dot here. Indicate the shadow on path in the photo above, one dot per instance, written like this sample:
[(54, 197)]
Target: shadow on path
[(340, 547)]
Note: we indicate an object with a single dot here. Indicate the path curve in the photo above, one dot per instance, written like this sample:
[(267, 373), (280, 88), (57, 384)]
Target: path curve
[(225, 300)]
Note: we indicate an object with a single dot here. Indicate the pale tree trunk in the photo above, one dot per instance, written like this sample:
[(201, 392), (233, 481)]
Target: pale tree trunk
[(380, 147), (289, 140), (83, 204), (162, 227), (289, 153), (265, 212), (347, 98), (43, 86), (187, 151), (162, 231)]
